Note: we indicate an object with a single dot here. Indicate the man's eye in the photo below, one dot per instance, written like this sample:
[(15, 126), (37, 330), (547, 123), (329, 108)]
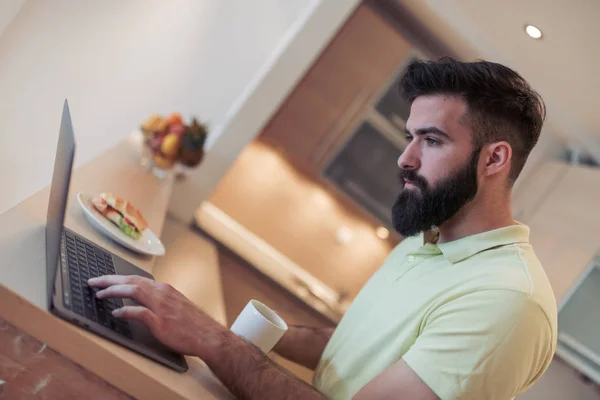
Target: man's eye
[(432, 142), (409, 138)]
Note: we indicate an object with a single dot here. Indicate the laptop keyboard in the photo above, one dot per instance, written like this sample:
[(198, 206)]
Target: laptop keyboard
[(86, 261)]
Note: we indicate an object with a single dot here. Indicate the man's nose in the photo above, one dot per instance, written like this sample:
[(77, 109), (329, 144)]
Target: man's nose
[(410, 157)]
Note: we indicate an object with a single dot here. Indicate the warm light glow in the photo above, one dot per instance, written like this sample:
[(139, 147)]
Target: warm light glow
[(382, 233), (322, 199), (533, 31), (344, 235)]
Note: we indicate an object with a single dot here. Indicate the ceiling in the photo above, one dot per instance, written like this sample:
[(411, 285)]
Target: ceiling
[(8, 10), (563, 66)]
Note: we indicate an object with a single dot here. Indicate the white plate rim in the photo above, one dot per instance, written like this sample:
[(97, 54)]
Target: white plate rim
[(102, 225)]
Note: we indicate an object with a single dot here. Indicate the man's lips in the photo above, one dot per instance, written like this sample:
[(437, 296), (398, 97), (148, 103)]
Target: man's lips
[(409, 184)]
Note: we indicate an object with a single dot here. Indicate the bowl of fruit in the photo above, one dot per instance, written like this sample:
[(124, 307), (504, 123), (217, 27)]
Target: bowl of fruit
[(170, 141)]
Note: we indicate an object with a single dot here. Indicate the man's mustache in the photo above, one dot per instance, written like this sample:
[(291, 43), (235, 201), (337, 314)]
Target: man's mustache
[(413, 177)]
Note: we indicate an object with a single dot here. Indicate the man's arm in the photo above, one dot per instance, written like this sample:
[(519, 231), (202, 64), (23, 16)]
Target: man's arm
[(179, 324), (245, 371), (250, 374), (399, 381), (304, 345)]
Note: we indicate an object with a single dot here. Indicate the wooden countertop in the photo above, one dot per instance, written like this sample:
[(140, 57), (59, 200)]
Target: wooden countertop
[(23, 270)]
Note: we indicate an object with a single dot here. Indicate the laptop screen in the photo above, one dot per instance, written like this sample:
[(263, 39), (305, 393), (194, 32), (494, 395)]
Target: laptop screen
[(59, 192)]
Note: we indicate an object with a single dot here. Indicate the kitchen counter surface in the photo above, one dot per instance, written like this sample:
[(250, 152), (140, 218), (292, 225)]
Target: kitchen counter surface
[(22, 279)]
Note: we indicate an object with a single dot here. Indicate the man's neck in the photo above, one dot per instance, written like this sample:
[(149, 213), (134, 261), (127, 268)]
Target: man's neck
[(477, 217)]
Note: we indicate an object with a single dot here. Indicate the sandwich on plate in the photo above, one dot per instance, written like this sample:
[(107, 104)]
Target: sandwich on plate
[(121, 213)]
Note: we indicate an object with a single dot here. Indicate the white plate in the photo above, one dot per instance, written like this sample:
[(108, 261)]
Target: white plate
[(149, 243)]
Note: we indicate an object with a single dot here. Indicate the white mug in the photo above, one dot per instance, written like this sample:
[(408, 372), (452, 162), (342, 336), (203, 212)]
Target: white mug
[(259, 325)]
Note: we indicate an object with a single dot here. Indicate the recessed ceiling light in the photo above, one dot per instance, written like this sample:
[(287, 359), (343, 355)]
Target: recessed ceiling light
[(533, 31)]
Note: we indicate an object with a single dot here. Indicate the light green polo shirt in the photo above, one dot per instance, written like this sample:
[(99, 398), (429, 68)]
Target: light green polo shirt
[(474, 318)]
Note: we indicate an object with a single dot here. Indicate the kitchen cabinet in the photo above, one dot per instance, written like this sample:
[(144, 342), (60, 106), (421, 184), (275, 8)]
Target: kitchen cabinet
[(351, 73)]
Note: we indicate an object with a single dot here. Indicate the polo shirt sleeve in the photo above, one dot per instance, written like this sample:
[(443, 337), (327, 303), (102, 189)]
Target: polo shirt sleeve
[(483, 345)]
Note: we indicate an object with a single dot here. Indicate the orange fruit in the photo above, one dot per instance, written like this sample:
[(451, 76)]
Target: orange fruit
[(174, 118)]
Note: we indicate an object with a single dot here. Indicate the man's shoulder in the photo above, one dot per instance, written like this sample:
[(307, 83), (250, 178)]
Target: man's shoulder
[(516, 268)]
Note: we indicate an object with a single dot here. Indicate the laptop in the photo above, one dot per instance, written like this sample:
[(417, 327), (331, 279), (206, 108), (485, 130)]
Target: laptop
[(71, 260)]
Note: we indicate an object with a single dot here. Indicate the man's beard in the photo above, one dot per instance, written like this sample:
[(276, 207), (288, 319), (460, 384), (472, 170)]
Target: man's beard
[(418, 210)]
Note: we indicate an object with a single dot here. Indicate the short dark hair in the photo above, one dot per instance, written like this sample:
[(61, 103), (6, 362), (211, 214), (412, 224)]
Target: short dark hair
[(501, 104)]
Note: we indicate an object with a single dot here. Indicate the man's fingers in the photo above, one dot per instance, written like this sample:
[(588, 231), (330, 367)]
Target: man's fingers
[(139, 313), (127, 291), (133, 292), (109, 280)]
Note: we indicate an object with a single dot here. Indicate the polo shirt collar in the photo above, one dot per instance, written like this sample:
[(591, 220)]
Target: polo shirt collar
[(466, 247)]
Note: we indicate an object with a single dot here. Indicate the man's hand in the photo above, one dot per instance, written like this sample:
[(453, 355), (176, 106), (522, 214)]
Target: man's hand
[(179, 324), (170, 316)]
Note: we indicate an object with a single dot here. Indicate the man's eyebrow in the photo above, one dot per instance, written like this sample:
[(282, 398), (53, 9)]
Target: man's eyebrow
[(430, 129)]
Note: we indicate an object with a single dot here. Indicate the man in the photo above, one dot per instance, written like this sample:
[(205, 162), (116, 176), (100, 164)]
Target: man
[(461, 309)]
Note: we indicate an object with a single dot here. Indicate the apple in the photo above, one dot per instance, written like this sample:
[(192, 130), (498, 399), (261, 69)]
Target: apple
[(174, 118), (178, 128), (155, 142)]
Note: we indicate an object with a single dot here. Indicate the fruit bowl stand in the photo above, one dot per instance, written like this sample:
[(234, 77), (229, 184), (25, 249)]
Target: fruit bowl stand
[(144, 154), (168, 145)]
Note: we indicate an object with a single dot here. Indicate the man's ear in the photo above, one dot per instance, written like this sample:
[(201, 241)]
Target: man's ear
[(497, 157)]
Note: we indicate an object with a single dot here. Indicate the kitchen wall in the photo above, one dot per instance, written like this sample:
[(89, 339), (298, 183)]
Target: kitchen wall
[(8, 11), (295, 214), (118, 61), (560, 204), (278, 76), (275, 188)]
